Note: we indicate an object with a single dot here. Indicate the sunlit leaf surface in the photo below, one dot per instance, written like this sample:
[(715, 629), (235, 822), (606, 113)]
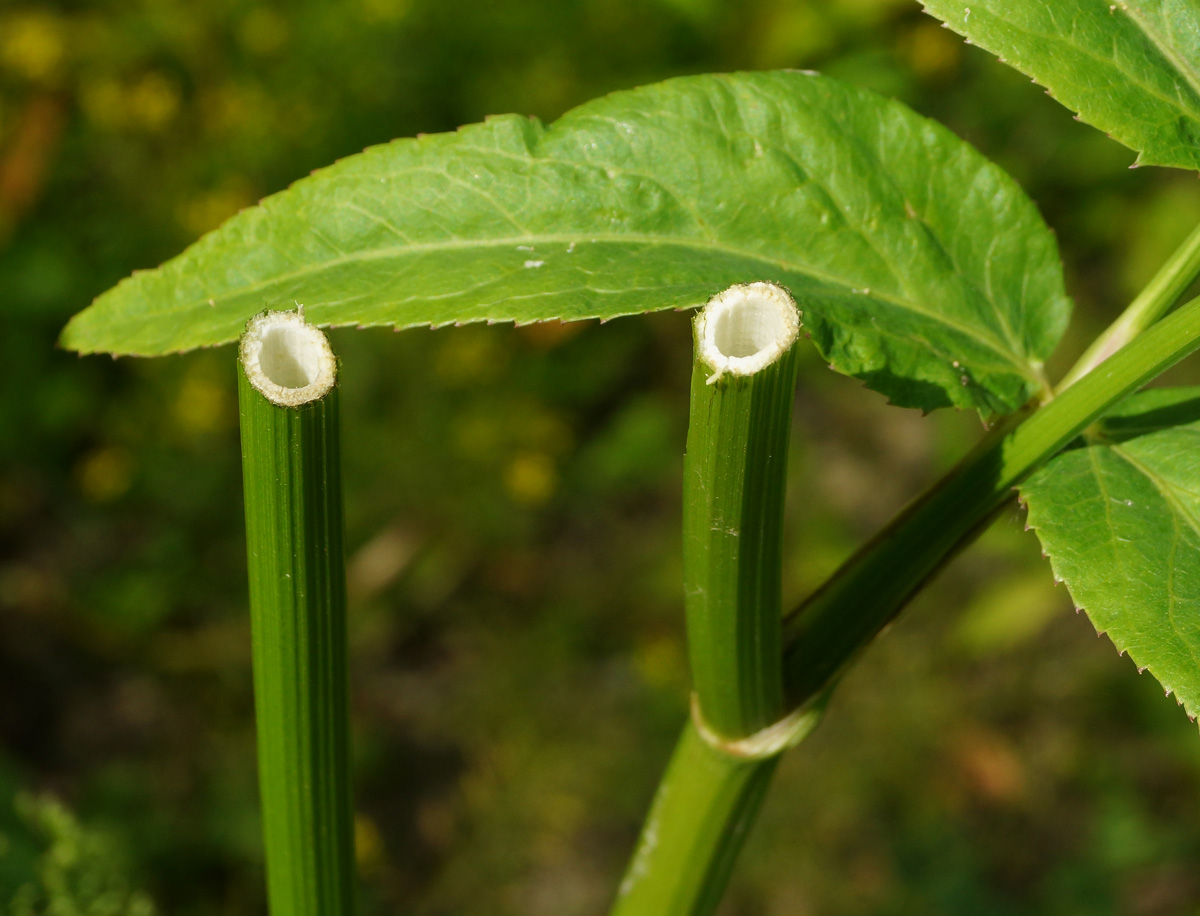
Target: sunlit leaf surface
[(1119, 518), (1131, 68), (920, 267)]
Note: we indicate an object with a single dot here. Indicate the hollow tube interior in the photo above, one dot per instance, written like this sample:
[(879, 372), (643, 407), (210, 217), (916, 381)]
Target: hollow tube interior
[(290, 355), (755, 325)]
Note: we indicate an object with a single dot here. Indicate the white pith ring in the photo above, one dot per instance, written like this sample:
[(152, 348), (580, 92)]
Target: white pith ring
[(286, 359), (746, 328)]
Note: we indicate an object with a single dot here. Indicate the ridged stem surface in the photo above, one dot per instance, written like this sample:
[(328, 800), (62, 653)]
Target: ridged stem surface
[(703, 807), (291, 473), (734, 483), (743, 384), (706, 803)]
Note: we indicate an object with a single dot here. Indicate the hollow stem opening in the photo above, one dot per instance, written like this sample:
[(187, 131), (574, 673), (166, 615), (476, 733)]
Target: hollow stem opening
[(746, 328), (286, 359)]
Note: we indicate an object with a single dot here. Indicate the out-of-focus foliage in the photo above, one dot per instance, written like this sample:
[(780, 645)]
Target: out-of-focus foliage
[(512, 498), (78, 871)]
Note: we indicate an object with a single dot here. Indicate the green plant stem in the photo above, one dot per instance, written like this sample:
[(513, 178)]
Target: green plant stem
[(743, 384), (735, 475), (293, 507), (825, 633), (697, 804), (1172, 279), (704, 807)]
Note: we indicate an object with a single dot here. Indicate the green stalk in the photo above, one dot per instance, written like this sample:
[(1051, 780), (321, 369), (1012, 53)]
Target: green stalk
[(709, 796), (713, 788), (825, 633), (292, 491), (704, 807), (1172, 279), (743, 384)]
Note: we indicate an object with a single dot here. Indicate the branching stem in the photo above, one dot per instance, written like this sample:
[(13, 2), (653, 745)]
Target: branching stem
[(709, 797), (1172, 279), (825, 633)]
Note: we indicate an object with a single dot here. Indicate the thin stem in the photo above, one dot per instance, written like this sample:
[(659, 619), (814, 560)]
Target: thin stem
[(701, 814), (292, 490), (743, 384), (825, 633), (1172, 279)]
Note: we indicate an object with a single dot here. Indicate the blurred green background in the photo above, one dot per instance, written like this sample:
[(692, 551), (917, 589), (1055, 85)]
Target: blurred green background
[(513, 505)]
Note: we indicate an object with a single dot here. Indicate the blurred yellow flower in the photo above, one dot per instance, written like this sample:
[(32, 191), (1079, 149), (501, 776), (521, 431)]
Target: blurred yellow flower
[(531, 478), (208, 209), (933, 52), (384, 10), (201, 405), (660, 663), (152, 102), (368, 845), (105, 473), (149, 104), (32, 45)]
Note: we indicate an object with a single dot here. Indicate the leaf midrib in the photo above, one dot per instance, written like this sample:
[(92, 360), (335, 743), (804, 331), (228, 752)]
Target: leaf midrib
[(847, 133), (1094, 55), (1165, 490), (1190, 76), (1178, 512), (699, 244), (1030, 369)]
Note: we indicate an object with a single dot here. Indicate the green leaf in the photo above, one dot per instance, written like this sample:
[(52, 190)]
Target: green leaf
[(1130, 68), (1119, 518), (920, 267)]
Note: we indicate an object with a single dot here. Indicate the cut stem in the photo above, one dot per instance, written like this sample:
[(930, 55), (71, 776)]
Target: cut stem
[(292, 491), (709, 797), (743, 384), (1172, 279)]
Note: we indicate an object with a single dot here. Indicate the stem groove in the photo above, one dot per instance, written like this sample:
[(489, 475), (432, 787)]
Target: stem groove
[(292, 484)]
